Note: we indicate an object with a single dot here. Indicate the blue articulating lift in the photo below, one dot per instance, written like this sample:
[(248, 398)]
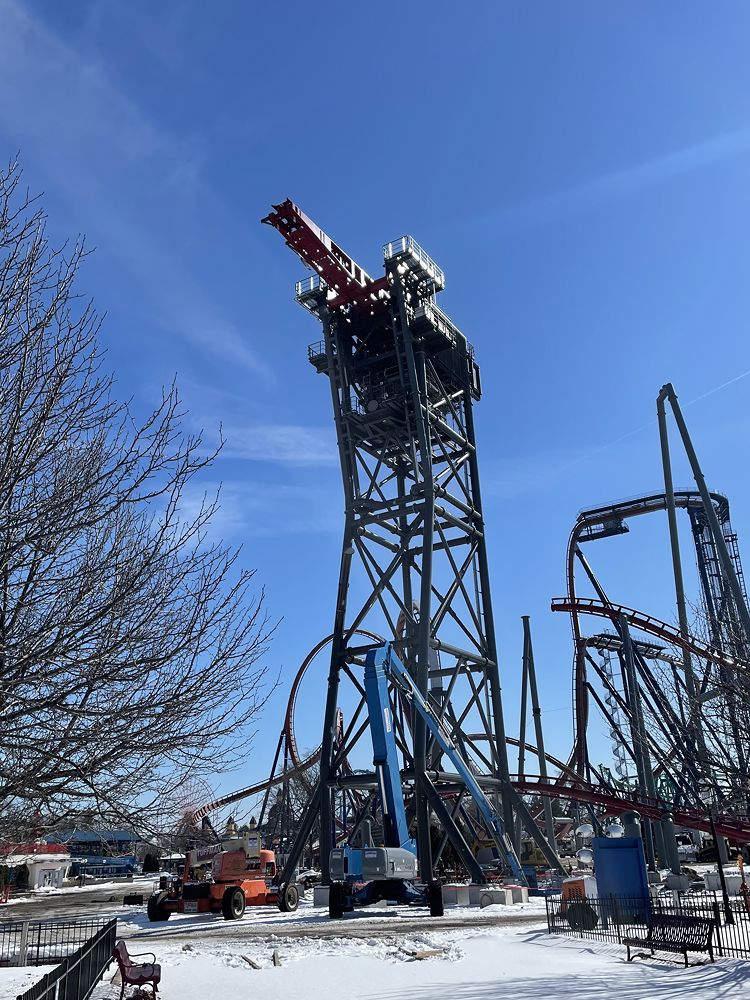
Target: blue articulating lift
[(363, 875)]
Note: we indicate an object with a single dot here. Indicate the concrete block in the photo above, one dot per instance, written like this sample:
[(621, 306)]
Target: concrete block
[(520, 893), (455, 895), (496, 897), (475, 891), (679, 882), (733, 884), (320, 895), (484, 895), (713, 882)]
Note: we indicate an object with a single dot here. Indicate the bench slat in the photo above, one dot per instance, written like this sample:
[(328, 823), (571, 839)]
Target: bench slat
[(675, 932)]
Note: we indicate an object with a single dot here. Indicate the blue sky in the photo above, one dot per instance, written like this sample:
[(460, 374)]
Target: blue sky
[(579, 170)]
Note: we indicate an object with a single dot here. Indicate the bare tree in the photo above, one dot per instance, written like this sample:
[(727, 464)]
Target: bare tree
[(130, 644)]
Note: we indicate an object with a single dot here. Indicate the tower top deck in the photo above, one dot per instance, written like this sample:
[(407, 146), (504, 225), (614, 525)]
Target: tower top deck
[(342, 290)]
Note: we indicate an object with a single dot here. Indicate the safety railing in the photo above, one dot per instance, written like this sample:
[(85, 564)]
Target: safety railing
[(78, 973), (646, 504), (438, 319), (613, 918), (351, 403), (39, 942), (316, 350), (407, 246), (310, 285)]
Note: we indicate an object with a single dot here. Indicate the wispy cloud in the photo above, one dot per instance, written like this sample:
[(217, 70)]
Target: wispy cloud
[(288, 444), (515, 476), (718, 388), (101, 153), (535, 472), (623, 182), (267, 509)]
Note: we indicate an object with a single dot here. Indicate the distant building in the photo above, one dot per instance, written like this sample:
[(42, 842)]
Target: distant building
[(35, 865), (101, 853), (247, 828), (174, 864)]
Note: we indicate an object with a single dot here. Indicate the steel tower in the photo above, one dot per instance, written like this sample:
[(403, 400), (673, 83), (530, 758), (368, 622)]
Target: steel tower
[(403, 382), (722, 614)]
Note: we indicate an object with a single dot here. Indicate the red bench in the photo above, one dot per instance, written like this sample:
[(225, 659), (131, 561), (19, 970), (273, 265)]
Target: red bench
[(135, 973)]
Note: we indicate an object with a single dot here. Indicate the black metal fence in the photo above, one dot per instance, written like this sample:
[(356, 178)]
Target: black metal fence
[(78, 974), (43, 942), (613, 918)]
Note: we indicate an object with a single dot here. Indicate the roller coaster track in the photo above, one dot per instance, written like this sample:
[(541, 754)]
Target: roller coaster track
[(299, 765), (303, 765), (569, 785), (597, 522), (735, 829), (647, 623), (256, 789)]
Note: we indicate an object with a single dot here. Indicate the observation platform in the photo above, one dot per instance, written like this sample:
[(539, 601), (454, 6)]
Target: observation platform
[(410, 255), (311, 291)]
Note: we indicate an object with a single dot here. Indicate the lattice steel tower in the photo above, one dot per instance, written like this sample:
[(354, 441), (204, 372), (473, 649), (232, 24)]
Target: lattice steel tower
[(403, 381)]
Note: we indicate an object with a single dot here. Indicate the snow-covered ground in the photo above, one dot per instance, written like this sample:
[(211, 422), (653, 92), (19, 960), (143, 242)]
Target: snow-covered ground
[(142, 883), (15, 981), (260, 920), (372, 955), (472, 964)]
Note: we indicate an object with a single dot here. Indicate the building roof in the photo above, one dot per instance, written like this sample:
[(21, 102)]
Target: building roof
[(91, 836), (35, 852), (33, 847), (35, 858)]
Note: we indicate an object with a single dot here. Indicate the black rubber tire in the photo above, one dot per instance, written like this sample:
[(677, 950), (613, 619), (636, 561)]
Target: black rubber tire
[(336, 900), (582, 917), (435, 899), (155, 908), (233, 904), (289, 898)]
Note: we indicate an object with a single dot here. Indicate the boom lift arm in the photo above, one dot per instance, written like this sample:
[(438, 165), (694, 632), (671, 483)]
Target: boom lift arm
[(383, 663), (385, 756)]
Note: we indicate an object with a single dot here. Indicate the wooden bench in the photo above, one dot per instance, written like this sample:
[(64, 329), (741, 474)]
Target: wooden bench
[(135, 973), (680, 933)]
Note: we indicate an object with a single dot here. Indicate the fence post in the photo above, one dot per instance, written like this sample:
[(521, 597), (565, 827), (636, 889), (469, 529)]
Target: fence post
[(616, 917), (61, 981), (23, 943), (717, 921)]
